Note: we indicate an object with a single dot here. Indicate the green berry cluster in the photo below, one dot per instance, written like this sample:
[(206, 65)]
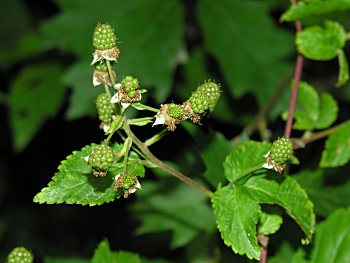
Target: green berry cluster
[(104, 107), (212, 92), (128, 181), (101, 157), (20, 255), (175, 110), (130, 85), (205, 97), (101, 66), (281, 150), (104, 37)]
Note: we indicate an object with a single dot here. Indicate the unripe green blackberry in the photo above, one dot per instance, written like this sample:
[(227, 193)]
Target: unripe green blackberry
[(175, 110), (104, 107), (281, 150), (101, 157), (212, 91), (130, 84), (20, 255), (104, 37), (200, 102), (101, 66)]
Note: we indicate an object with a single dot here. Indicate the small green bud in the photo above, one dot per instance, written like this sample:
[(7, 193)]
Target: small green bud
[(176, 111), (281, 150), (20, 255)]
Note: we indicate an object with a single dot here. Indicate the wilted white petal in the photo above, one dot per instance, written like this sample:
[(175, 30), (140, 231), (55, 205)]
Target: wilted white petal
[(86, 158), (95, 81), (96, 58), (125, 104), (160, 119), (115, 98), (106, 127), (117, 86), (137, 185), (267, 155), (116, 177), (268, 166)]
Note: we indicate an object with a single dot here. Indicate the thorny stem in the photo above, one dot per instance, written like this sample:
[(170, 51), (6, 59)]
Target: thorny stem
[(248, 172), (297, 77), (149, 155)]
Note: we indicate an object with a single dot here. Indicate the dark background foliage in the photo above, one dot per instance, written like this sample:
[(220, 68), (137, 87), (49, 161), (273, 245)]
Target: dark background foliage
[(45, 55)]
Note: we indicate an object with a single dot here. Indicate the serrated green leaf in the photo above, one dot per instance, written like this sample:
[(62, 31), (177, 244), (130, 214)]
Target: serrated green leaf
[(343, 75), (332, 239), (237, 216), (269, 223), (166, 207), (138, 48), (326, 199), (75, 184), (328, 111), (307, 110), (315, 7), (242, 46), (36, 95), (289, 195), (245, 157), (319, 43), (337, 150), (103, 254), (82, 100), (312, 111)]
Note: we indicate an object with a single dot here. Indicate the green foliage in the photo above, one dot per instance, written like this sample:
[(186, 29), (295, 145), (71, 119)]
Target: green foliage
[(305, 8), (269, 223), (343, 76), (65, 260), (319, 43), (36, 95), (337, 150), (75, 184), (314, 111), (243, 43), (332, 239), (245, 157), (325, 198), (166, 207)]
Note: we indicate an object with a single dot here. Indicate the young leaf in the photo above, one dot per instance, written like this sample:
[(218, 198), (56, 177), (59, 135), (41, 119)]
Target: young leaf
[(315, 7), (35, 95), (243, 43), (75, 184), (332, 239), (103, 254), (269, 223), (319, 43), (337, 150), (312, 111), (166, 207), (245, 157), (343, 75), (237, 215), (288, 195)]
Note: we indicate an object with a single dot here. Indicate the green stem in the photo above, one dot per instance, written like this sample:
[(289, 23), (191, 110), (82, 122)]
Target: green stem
[(248, 172), (109, 68), (149, 156), (140, 106), (126, 155), (300, 143)]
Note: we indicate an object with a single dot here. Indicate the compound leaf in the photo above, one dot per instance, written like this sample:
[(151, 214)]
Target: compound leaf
[(315, 7), (245, 157), (289, 195), (337, 150), (75, 184), (237, 215), (319, 43), (332, 239)]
